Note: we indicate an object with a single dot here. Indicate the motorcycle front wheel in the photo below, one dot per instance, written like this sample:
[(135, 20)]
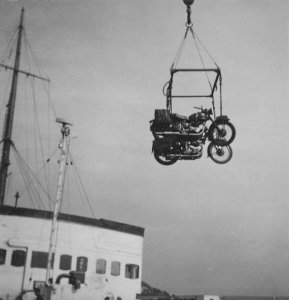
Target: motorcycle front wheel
[(164, 160), (220, 154), (224, 134)]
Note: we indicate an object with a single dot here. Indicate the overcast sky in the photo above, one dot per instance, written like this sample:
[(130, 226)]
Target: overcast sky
[(210, 229)]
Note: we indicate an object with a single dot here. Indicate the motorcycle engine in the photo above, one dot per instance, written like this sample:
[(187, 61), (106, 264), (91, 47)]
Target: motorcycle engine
[(194, 148), (195, 129)]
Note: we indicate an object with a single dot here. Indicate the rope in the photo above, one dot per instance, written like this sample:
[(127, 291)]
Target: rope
[(178, 55), (207, 51), (201, 58)]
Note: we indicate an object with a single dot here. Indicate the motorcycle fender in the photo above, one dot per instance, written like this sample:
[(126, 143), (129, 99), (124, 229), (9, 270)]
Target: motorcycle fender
[(208, 152), (221, 119), (153, 146)]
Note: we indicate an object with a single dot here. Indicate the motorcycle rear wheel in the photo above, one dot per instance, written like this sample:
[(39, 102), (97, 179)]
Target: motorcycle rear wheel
[(163, 160), (220, 154), (224, 135)]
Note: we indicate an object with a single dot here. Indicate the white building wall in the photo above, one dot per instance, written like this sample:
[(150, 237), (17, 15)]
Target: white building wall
[(75, 240)]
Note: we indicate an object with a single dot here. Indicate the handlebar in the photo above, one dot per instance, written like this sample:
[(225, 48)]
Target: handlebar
[(204, 110)]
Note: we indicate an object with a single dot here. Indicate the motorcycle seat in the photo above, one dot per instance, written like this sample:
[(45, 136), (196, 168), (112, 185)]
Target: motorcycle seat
[(177, 117)]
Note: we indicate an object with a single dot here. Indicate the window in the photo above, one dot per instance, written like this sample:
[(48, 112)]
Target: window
[(18, 258), (131, 271), (101, 266), (81, 264), (65, 262), (40, 259), (115, 268), (2, 256)]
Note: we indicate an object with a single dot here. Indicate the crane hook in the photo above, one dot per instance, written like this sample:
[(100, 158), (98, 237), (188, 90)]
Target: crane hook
[(188, 2)]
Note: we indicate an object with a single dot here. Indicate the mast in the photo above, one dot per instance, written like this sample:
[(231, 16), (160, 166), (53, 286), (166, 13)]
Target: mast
[(64, 146), (7, 130)]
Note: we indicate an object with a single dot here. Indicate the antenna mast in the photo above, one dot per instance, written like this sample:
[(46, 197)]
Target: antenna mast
[(64, 146)]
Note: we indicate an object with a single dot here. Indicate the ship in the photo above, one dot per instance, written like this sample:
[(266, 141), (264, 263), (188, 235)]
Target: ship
[(48, 254)]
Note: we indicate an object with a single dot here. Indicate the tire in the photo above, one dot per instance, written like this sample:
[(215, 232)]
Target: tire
[(220, 154), (224, 136), (160, 158)]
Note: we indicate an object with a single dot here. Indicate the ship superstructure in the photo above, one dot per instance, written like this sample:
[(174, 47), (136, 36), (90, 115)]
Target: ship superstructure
[(52, 255)]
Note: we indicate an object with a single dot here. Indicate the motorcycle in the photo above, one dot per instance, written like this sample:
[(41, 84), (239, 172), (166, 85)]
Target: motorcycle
[(179, 137), (221, 132)]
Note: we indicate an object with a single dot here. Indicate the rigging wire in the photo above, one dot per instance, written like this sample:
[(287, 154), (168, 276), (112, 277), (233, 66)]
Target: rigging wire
[(7, 53), (25, 179), (82, 186), (34, 190), (38, 131), (37, 175), (38, 69), (67, 188), (5, 60), (48, 146), (26, 124), (25, 168), (32, 54), (50, 104)]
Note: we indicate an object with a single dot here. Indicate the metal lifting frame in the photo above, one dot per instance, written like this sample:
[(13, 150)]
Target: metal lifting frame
[(217, 79)]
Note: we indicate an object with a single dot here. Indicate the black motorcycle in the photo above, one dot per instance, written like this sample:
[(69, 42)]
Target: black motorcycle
[(221, 132), (179, 137)]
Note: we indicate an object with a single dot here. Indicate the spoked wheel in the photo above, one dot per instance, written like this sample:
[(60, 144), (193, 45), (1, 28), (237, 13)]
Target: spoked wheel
[(164, 160), (224, 134), (220, 154)]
